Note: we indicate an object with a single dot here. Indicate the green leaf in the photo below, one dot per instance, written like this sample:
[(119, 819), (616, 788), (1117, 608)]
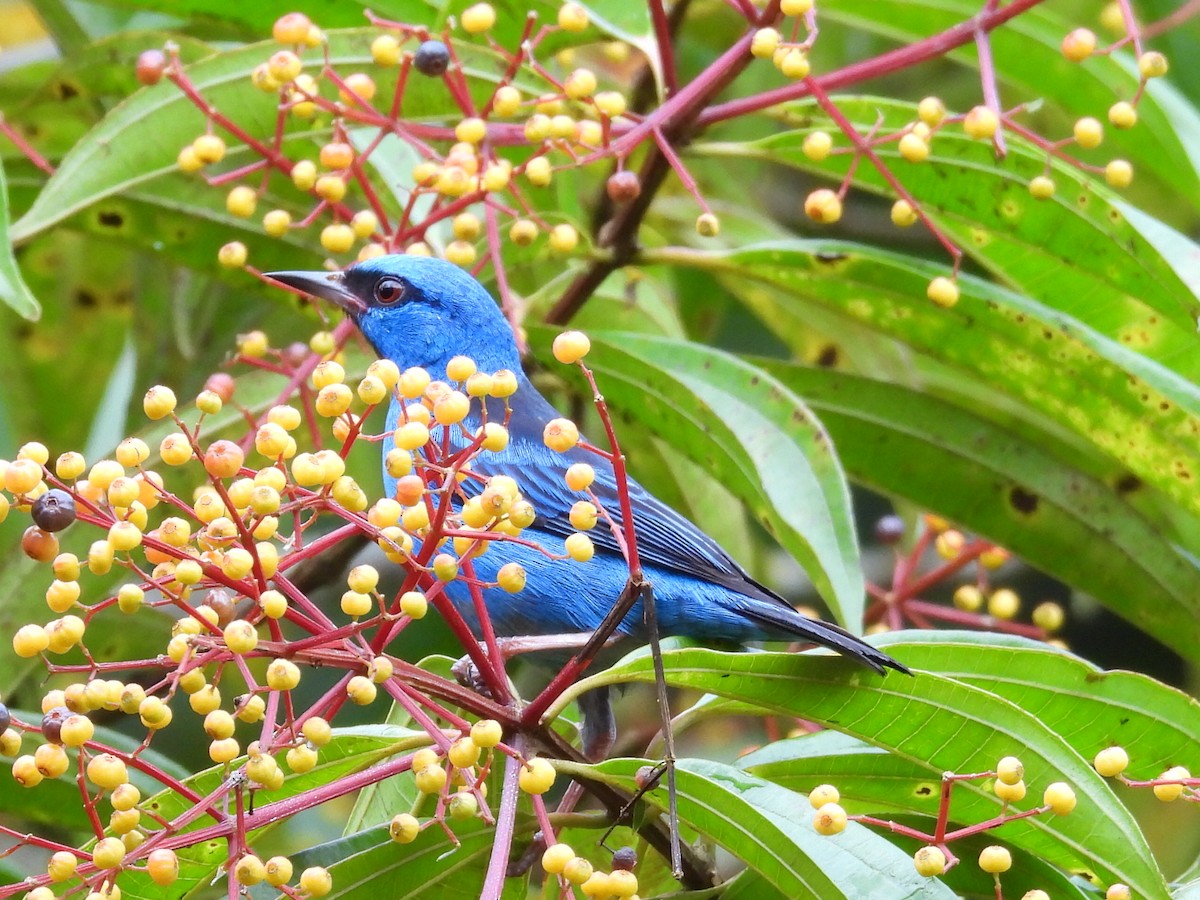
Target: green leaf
[(1091, 708), (939, 723), (13, 290), (1016, 488), (1076, 252), (369, 863), (769, 829), (773, 453), (1135, 411), (378, 802)]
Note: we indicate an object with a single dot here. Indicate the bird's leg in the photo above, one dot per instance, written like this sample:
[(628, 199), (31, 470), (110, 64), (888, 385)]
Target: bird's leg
[(467, 673)]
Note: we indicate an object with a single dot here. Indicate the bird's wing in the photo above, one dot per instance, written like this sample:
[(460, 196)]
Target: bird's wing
[(664, 537)]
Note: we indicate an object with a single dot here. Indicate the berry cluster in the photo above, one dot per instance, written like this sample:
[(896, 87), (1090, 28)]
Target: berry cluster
[(935, 856), (976, 604), (245, 636)]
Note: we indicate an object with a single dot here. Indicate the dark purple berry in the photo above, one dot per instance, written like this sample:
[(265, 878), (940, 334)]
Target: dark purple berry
[(54, 510), (432, 58), (889, 530), (5, 718), (52, 724), (625, 858)]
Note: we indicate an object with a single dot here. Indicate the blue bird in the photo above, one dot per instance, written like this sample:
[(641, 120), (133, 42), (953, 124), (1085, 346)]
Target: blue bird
[(419, 311)]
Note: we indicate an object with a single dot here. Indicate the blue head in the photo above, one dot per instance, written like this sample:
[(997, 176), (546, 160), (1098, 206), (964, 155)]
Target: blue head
[(417, 311)]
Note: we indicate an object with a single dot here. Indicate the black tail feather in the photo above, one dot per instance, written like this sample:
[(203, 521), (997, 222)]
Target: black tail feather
[(790, 623)]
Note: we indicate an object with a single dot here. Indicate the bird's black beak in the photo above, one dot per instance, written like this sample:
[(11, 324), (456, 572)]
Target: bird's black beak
[(329, 286)]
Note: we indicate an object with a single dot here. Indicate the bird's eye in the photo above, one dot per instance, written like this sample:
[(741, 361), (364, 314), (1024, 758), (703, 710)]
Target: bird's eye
[(389, 291)]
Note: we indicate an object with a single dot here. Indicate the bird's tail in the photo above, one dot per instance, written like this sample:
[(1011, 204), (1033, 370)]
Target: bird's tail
[(786, 621)]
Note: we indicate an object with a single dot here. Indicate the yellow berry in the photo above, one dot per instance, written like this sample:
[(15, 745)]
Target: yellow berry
[(823, 205), (108, 853), (1089, 133), (981, 123), (822, 794), (1118, 892), (1003, 604), (385, 50), (995, 859), (1152, 64), (507, 101), (1010, 793), (337, 238), (158, 402), (817, 145), (904, 214), (930, 861), (536, 776), (1123, 114), (560, 434), (1111, 761), (1048, 616), (563, 238), (943, 292), (1041, 187), (241, 201), (1118, 173), (1079, 44), (240, 636), (571, 346), (611, 104), (404, 828), (764, 43), (1170, 792), (794, 63), (708, 225), (430, 779), (555, 858), (931, 111), (830, 819), (316, 881), (572, 17), (209, 148), (913, 148), (106, 771)]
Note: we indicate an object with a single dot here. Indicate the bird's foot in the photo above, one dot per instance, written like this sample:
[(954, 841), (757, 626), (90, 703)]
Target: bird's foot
[(467, 674)]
